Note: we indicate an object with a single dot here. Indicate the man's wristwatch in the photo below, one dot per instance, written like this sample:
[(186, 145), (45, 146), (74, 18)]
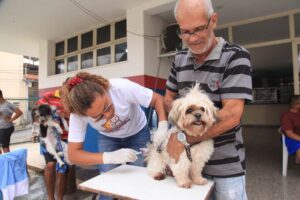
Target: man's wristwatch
[(182, 138)]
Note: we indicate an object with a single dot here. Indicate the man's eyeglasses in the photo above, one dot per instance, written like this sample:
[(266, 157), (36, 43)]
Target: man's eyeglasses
[(197, 31), (105, 110)]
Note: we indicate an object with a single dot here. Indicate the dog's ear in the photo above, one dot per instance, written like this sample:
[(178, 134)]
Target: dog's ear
[(33, 113), (213, 112), (175, 112)]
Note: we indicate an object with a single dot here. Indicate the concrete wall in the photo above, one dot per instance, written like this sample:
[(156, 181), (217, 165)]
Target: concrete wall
[(263, 114), (143, 52), (13, 86)]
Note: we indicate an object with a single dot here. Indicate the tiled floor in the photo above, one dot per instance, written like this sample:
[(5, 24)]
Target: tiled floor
[(263, 161)]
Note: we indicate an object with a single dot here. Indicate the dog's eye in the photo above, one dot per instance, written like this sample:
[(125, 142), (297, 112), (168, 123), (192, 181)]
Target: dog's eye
[(189, 111), (202, 109)]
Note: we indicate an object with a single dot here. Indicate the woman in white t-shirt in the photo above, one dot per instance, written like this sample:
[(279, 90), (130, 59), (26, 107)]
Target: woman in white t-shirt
[(113, 107)]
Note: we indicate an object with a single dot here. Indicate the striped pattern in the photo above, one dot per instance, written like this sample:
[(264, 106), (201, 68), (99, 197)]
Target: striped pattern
[(225, 74)]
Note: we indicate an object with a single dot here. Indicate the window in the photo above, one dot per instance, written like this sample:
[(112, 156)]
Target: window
[(87, 40), (121, 52), (87, 60), (103, 56), (273, 68), (120, 29), (222, 33), (59, 66), (72, 44), (60, 48), (100, 46), (262, 31), (72, 63), (103, 34)]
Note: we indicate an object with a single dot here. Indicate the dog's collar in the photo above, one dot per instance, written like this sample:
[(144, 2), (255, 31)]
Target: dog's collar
[(188, 147)]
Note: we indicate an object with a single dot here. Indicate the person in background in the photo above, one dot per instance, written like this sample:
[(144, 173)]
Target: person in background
[(290, 125), (223, 70), (113, 107), (8, 113), (51, 175)]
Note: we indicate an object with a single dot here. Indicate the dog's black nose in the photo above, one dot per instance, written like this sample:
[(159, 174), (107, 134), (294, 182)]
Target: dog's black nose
[(198, 115)]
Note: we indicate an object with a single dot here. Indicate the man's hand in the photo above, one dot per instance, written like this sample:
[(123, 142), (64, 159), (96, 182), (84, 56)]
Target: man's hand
[(174, 147), (194, 140)]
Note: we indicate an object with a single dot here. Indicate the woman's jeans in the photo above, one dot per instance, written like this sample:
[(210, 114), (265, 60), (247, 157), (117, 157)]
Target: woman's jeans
[(137, 141)]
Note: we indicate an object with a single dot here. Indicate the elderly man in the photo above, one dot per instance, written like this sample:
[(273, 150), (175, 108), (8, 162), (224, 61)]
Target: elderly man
[(224, 73)]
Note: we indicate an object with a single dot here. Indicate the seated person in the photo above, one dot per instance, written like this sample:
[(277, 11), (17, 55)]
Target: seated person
[(290, 124), (62, 176)]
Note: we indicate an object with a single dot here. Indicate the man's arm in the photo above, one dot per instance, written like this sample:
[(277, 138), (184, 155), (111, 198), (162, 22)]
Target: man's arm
[(229, 117)]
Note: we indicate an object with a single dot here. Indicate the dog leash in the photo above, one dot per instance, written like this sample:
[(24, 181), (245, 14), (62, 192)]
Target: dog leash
[(188, 152)]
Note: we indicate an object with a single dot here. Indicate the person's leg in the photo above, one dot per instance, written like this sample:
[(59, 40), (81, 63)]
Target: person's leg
[(107, 144), (298, 156), (61, 184), (6, 138), (71, 180), (49, 176), (293, 147), (229, 189)]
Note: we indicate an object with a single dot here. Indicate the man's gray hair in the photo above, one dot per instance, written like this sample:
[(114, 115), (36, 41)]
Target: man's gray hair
[(208, 4)]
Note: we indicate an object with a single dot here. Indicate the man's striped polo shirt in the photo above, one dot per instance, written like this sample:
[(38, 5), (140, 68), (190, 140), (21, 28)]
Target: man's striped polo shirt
[(225, 74)]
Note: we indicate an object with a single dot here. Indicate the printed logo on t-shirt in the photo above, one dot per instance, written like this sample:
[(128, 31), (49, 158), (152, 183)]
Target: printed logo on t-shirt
[(214, 83), (114, 123)]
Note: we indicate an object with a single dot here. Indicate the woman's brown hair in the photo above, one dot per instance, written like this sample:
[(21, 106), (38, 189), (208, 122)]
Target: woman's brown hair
[(81, 90)]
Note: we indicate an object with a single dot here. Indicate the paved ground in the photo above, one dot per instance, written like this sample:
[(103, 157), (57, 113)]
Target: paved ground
[(21, 136)]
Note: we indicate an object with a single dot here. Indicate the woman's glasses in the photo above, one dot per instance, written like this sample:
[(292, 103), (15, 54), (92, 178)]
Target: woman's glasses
[(105, 110)]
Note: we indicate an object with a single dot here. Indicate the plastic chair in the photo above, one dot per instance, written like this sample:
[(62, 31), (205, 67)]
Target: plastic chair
[(285, 154)]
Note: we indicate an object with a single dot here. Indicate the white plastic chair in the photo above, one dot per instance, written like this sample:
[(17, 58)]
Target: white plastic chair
[(285, 154)]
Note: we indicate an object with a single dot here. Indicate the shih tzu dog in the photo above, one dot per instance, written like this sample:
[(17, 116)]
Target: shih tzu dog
[(48, 128), (191, 115)]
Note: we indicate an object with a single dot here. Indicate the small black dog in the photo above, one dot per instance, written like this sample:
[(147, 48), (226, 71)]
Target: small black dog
[(48, 128)]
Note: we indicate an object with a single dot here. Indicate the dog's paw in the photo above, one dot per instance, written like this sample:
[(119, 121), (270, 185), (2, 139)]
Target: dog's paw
[(159, 176), (60, 154), (200, 181), (186, 184)]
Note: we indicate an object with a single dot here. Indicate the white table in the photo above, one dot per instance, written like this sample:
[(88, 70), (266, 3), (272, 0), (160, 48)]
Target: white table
[(132, 182)]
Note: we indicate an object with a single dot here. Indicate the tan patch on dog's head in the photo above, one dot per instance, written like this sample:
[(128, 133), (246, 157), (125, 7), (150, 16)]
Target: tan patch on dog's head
[(193, 113)]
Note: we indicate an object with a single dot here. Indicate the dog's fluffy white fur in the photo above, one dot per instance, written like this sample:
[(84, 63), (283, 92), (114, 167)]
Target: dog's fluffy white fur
[(42, 117), (193, 114)]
